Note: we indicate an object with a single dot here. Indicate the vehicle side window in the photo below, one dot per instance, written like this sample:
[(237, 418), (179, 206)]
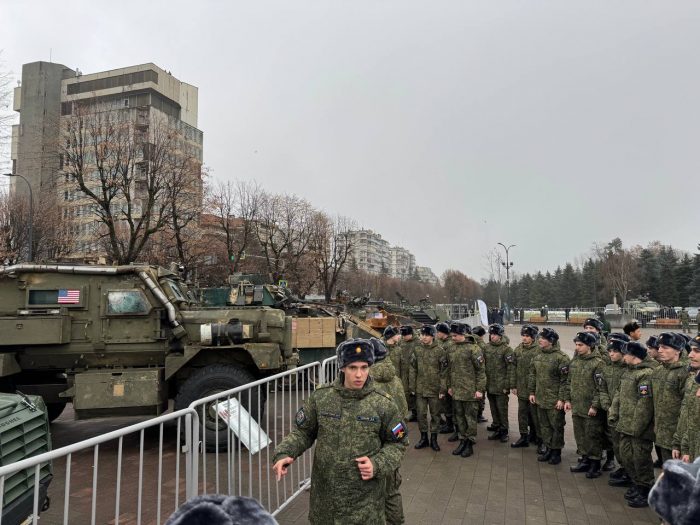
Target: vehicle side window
[(132, 302)]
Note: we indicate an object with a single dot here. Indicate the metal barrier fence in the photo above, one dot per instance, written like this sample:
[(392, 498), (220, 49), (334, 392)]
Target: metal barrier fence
[(102, 462), (329, 369)]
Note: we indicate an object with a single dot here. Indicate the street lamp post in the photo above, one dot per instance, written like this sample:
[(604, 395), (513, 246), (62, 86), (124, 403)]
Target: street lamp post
[(508, 264), (31, 212)]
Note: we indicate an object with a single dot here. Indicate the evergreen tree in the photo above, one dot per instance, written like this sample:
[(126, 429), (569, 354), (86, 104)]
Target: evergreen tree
[(684, 278)]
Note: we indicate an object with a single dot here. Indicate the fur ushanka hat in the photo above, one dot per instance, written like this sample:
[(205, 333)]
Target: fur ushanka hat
[(676, 495)]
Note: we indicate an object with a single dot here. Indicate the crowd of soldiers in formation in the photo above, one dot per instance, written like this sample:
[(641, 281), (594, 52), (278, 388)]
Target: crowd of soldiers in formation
[(625, 398)]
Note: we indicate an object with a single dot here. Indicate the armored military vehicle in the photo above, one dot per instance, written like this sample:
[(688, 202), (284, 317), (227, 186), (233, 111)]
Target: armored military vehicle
[(123, 340)]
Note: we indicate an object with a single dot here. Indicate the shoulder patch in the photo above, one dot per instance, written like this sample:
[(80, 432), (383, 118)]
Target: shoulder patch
[(564, 370), (300, 418), (480, 358), (399, 431), (598, 377), (509, 358), (644, 390), (444, 363)]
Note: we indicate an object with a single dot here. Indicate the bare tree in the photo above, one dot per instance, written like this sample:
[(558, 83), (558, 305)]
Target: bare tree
[(618, 267), (7, 116), (121, 166), (331, 245), (493, 264)]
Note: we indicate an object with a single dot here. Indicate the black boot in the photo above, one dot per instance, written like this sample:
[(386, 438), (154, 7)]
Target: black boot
[(555, 459), (454, 437), (423, 442), (504, 436), (433, 442), (523, 442), (448, 426), (541, 448), (658, 463), (642, 498), (413, 416), (492, 427), (622, 481), (609, 461), (532, 437), (546, 454), (468, 450), (460, 448), (631, 493), (480, 416), (594, 469), (582, 466), (495, 435), (618, 474)]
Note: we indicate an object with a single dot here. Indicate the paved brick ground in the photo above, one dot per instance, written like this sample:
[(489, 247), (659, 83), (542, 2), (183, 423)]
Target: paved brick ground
[(500, 485)]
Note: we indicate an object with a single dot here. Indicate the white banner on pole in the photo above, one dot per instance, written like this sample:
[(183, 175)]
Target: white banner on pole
[(242, 425), (483, 312)]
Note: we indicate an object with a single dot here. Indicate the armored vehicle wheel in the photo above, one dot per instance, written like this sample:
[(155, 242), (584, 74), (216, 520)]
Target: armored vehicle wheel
[(54, 410), (211, 380)]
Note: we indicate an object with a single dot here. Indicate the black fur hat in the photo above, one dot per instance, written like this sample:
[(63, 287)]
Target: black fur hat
[(595, 323), (630, 327), (428, 329), (635, 349), (406, 329), (496, 329), (478, 330), (390, 331), (616, 344), (587, 338), (355, 350), (676, 495), (460, 329), (620, 336), (217, 509), (443, 328), (653, 342), (694, 342), (529, 329), (550, 335), (379, 349), (675, 341)]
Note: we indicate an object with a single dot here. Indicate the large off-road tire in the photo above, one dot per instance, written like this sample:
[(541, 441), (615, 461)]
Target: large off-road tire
[(54, 410), (211, 380)]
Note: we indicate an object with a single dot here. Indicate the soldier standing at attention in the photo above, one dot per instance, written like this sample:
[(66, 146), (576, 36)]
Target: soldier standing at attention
[(500, 379), (392, 338), (633, 330), (408, 344), (687, 439), (585, 381), (428, 381), (443, 339), (685, 320), (527, 413), (478, 332), (668, 387), (548, 387), (633, 411), (387, 382), (596, 326), (612, 374), (652, 359), (360, 440), (466, 384)]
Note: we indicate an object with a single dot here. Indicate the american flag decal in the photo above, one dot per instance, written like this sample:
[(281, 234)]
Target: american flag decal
[(69, 297)]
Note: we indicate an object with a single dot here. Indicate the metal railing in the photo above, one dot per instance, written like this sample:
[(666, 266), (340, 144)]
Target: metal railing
[(90, 480), (329, 370)]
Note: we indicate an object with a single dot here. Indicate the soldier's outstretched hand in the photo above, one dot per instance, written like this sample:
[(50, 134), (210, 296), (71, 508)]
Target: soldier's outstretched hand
[(533, 399), (366, 467), (280, 467)]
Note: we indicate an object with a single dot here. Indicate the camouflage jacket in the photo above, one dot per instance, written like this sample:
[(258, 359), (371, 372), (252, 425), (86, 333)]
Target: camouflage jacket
[(347, 424), (386, 381), (685, 317), (548, 376), (467, 373), (653, 363), (407, 348), (500, 366), (668, 386), (447, 345), (632, 410), (585, 381), (687, 438), (428, 373), (612, 373), (601, 349), (523, 361), (396, 357)]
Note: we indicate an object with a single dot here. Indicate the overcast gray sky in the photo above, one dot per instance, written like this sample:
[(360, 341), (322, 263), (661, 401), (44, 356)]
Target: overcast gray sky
[(445, 126)]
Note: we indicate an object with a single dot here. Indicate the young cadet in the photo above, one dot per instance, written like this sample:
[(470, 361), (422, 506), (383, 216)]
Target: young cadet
[(428, 382), (466, 384), (585, 381), (548, 387), (360, 440), (478, 332), (444, 340), (500, 379), (392, 340), (632, 412), (668, 387), (527, 413), (633, 331), (687, 439), (408, 344), (596, 326)]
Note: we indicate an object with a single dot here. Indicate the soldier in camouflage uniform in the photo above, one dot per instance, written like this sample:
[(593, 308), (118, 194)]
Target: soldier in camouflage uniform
[(653, 348), (500, 379), (612, 374), (527, 413), (428, 381), (466, 384), (387, 382), (668, 386), (585, 381), (444, 340), (687, 438), (548, 387), (360, 441), (685, 320), (478, 332), (632, 413), (595, 326), (408, 344), (392, 340)]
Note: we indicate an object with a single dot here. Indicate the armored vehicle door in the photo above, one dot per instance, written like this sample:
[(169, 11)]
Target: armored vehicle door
[(128, 316)]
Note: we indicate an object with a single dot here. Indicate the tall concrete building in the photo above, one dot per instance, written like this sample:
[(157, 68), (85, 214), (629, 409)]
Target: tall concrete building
[(403, 263), (370, 252), (48, 97)]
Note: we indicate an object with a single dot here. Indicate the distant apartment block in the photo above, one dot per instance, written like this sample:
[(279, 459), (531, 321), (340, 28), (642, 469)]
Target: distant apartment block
[(402, 262), (426, 275), (51, 93)]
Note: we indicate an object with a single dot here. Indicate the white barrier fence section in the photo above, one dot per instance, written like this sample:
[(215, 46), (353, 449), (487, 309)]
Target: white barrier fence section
[(238, 431), (161, 486), (329, 370)]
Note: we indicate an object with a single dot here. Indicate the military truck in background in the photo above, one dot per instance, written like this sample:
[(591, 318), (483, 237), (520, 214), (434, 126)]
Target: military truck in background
[(124, 340)]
